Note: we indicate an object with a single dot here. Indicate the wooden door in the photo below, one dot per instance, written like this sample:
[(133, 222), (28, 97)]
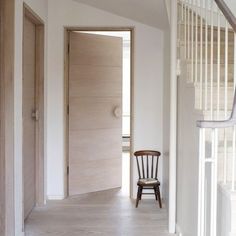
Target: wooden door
[(95, 107), (29, 106)]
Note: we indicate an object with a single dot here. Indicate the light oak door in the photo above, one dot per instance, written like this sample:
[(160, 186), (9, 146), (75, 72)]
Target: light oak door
[(29, 124), (95, 112)]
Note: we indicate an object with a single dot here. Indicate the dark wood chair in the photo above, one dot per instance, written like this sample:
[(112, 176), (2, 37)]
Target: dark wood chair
[(147, 164)]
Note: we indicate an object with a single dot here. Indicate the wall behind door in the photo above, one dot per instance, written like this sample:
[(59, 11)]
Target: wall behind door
[(39, 7), (148, 84)]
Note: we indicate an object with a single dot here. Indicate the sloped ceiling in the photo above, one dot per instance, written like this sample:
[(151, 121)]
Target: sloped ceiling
[(232, 5), (149, 12)]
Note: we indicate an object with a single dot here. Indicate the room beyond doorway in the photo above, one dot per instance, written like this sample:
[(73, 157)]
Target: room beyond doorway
[(120, 165)]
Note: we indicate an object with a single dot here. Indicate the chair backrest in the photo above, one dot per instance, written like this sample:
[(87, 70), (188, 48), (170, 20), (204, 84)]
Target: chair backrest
[(147, 163)]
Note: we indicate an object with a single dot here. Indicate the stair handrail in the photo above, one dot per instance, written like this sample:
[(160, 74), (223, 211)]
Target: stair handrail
[(232, 120)]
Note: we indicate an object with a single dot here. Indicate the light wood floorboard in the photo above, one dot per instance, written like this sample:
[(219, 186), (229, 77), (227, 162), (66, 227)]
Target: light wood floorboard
[(106, 213)]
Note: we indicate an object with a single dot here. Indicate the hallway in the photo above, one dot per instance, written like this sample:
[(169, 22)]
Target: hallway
[(106, 213)]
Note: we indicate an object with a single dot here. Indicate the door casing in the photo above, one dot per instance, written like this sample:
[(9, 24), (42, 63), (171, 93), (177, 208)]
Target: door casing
[(7, 36), (67, 30), (39, 100)]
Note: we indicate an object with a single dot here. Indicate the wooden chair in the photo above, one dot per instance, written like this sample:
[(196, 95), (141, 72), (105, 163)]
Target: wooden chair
[(147, 163)]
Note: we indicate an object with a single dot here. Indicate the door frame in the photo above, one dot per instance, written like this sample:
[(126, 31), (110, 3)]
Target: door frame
[(39, 100), (67, 30), (173, 120), (7, 193)]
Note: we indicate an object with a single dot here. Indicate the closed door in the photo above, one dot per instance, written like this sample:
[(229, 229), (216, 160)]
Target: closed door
[(29, 126), (95, 107)]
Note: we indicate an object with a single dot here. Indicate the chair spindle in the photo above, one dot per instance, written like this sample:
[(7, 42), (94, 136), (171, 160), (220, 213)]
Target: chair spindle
[(152, 165), (143, 168), (139, 174)]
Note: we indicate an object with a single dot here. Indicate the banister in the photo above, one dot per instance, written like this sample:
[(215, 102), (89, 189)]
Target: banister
[(208, 222), (220, 123), (232, 120)]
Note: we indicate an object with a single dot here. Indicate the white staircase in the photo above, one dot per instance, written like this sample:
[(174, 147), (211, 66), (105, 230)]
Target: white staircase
[(206, 49)]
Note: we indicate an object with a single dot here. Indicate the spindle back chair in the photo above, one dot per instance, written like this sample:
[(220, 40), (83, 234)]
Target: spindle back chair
[(147, 165)]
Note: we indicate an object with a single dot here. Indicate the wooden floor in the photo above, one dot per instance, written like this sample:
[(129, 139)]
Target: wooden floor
[(105, 213)]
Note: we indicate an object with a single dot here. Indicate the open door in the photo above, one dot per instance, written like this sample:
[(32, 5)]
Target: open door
[(95, 112), (33, 111), (29, 123)]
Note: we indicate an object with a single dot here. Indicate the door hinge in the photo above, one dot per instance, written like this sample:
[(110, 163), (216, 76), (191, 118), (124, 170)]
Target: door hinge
[(35, 115), (68, 109), (178, 67), (68, 170), (68, 48), (178, 43)]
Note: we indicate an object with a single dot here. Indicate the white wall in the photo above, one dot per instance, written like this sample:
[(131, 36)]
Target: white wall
[(40, 8), (148, 84), (232, 5), (187, 157), (226, 211)]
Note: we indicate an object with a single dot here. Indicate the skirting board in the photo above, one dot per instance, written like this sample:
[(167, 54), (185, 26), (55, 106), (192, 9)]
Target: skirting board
[(54, 197)]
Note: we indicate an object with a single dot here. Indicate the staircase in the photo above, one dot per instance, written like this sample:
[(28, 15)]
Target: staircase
[(206, 52)]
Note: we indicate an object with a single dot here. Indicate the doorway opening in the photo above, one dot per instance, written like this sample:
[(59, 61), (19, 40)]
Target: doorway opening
[(126, 96)]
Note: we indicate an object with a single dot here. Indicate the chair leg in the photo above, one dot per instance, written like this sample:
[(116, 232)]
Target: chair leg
[(141, 193), (138, 196), (159, 196), (155, 192)]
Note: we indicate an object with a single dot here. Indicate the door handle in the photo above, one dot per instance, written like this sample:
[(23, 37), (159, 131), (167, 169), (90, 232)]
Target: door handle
[(117, 112), (35, 115)]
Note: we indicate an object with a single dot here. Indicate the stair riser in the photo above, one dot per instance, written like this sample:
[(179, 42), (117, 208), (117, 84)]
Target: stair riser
[(216, 117), (215, 50), (230, 72), (215, 33), (221, 105), (222, 132), (230, 97)]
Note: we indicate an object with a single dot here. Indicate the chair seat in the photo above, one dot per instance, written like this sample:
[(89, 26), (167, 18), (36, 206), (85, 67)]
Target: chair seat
[(148, 181)]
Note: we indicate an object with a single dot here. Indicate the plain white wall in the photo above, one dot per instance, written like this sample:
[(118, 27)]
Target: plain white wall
[(187, 156), (148, 84), (40, 8), (224, 215), (232, 5)]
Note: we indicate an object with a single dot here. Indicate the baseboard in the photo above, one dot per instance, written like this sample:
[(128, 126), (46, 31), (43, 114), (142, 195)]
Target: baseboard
[(178, 230), (55, 197)]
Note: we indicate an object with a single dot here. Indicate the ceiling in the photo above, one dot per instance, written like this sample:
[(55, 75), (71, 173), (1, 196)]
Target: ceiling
[(149, 12), (232, 5)]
